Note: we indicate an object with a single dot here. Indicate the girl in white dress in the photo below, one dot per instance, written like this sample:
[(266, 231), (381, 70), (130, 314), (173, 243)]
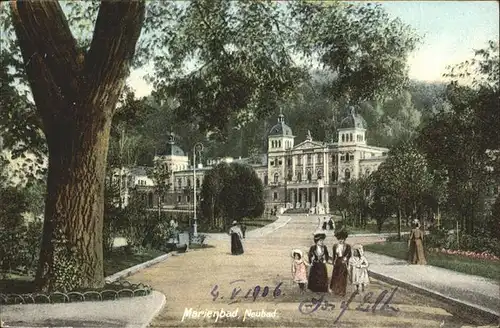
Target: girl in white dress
[(358, 268)]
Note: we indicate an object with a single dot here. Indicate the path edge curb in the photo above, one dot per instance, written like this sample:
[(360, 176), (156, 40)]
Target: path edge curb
[(157, 311), (429, 292), (130, 271)]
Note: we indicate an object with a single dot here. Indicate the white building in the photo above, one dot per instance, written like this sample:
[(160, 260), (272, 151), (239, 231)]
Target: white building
[(301, 175)]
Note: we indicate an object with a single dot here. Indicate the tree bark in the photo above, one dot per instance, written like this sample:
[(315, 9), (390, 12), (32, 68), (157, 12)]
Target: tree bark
[(75, 95)]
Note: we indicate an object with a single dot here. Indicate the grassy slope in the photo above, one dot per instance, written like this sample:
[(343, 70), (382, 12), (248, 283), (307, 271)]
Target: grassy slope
[(479, 267)]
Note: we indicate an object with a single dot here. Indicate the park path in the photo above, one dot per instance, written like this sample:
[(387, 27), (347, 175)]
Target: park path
[(188, 282)]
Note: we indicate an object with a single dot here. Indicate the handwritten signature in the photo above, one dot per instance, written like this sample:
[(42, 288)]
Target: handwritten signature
[(315, 304), (253, 293)]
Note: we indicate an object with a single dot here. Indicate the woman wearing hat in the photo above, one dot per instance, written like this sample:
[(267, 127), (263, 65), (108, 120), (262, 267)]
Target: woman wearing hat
[(341, 255), (415, 245), (318, 256), (236, 235)]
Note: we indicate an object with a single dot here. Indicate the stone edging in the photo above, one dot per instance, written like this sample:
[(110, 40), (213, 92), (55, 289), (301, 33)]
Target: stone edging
[(156, 312), (428, 292), (135, 268)]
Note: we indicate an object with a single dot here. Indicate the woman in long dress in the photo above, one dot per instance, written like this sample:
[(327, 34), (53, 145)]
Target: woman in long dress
[(340, 258), (318, 256), (416, 246), (236, 235)]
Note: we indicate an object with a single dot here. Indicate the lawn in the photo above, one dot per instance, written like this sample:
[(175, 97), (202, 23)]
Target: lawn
[(118, 260), (256, 223), (115, 262), (479, 267), (371, 227)]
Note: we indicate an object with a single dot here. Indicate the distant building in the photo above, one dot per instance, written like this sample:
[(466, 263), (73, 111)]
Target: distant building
[(299, 175)]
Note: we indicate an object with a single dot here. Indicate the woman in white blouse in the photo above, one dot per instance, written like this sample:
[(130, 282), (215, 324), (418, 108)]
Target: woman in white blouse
[(236, 236), (340, 258)]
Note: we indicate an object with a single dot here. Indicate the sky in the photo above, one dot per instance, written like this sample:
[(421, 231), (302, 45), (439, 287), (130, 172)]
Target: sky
[(450, 31)]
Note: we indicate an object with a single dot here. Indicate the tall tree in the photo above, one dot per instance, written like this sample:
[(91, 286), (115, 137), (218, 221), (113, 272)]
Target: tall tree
[(231, 192), (359, 44), (75, 91), (404, 177)]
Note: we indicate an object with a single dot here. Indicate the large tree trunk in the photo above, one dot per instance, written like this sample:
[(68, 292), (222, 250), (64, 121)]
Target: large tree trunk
[(75, 95)]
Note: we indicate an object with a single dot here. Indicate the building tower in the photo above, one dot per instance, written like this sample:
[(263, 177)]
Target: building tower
[(352, 129), (280, 137), (351, 141)]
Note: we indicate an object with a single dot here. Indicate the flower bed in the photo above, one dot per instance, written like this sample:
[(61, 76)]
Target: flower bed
[(483, 255)]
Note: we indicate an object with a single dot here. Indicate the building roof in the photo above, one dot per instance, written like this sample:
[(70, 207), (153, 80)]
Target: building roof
[(281, 129), (353, 120), (139, 171), (172, 149)]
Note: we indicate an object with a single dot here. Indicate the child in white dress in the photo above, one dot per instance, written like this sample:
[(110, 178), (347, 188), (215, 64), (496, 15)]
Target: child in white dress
[(358, 268), (299, 269)]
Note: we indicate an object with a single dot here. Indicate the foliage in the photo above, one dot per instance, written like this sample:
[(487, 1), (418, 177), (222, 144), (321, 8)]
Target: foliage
[(231, 192), (462, 142), (403, 180), (358, 44), (160, 174), (227, 83)]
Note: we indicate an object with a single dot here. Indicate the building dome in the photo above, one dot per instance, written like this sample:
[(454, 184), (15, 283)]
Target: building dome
[(281, 129), (172, 149), (353, 120)]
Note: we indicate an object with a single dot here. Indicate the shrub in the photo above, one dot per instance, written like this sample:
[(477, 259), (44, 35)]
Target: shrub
[(20, 247), (480, 243)]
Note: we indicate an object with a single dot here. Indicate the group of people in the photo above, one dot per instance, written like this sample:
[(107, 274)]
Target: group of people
[(348, 262), (327, 224)]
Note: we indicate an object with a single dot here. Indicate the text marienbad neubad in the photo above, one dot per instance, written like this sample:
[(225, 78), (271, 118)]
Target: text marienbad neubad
[(189, 313)]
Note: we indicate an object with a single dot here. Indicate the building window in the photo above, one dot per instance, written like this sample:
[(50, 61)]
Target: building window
[(150, 199), (188, 198), (309, 176), (266, 179), (279, 162), (179, 199), (334, 176), (276, 177), (320, 174), (347, 174), (197, 182), (350, 136), (320, 158), (179, 183), (275, 196), (290, 175), (189, 182), (279, 143), (351, 157), (347, 157), (289, 161), (343, 137), (309, 159), (299, 176)]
